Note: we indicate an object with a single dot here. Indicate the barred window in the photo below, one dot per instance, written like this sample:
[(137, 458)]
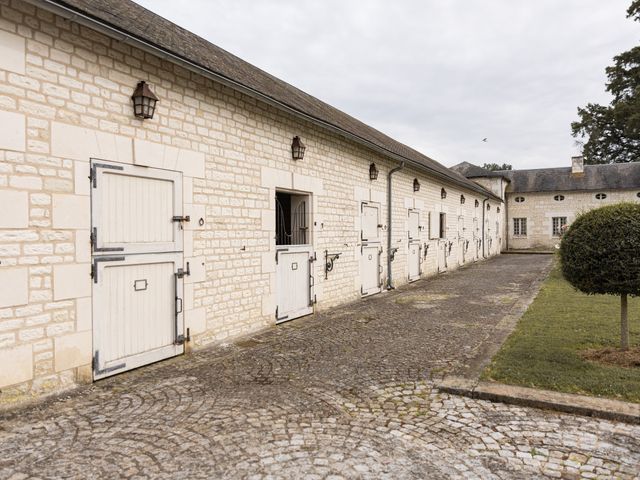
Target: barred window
[(558, 223), (520, 227), (601, 196), (519, 199), (558, 198)]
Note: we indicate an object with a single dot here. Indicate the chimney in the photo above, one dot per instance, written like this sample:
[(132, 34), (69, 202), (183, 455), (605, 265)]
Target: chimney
[(577, 166)]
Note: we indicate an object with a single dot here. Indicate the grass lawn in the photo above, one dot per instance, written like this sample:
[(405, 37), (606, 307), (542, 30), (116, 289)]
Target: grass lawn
[(544, 350)]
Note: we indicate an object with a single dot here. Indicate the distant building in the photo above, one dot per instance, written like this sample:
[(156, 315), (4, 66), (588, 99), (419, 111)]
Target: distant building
[(541, 202)]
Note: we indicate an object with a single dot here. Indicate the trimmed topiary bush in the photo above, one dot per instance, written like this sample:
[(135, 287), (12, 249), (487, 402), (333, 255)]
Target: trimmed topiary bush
[(600, 254)]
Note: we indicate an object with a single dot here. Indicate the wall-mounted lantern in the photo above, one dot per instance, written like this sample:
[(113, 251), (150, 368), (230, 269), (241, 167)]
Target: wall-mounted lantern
[(477, 203), (462, 199), (416, 185), (297, 148), (144, 101), (443, 194), (373, 172), (488, 206)]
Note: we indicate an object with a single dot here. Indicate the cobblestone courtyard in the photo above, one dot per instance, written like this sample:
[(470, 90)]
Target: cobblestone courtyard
[(345, 394)]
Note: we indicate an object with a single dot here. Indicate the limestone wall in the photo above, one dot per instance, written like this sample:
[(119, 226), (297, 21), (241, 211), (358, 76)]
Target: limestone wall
[(65, 98)]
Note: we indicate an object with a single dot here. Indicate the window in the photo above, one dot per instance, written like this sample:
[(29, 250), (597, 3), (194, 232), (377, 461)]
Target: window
[(443, 225), (637, 195), (558, 198), (292, 219), (519, 199), (558, 224), (520, 227), (601, 196)]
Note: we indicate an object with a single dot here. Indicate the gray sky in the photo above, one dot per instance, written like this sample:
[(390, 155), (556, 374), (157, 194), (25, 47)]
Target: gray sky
[(438, 75)]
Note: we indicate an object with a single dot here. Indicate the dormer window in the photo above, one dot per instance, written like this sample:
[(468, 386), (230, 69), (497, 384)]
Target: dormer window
[(558, 198)]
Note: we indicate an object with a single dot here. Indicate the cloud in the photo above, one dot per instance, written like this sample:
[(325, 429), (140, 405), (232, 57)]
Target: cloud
[(437, 75)]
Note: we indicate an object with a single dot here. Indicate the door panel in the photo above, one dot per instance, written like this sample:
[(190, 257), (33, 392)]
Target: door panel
[(415, 251), (370, 269), (137, 310), (294, 283), (370, 218), (133, 209), (414, 225)]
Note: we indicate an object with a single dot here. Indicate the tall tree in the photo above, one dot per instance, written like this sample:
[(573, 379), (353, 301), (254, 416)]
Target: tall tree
[(612, 132)]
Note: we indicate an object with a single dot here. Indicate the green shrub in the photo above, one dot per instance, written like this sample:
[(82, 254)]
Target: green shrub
[(600, 254)]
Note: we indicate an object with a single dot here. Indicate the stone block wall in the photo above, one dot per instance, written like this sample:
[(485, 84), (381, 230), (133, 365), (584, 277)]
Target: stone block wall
[(539, 208), (65, 98)]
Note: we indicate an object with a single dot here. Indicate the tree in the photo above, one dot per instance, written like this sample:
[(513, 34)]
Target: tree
[(494, 167), (612, 132), (599, 255)]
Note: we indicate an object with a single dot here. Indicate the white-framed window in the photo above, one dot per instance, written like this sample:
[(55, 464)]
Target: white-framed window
[(557, 224), (558, 198), (601, 196), (520, 227)]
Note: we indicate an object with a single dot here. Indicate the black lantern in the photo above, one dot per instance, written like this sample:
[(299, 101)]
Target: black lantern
[(462, 199), (373, 172), (297, 148), (477, 203), (443, 193), (144, 101), (416, 185)]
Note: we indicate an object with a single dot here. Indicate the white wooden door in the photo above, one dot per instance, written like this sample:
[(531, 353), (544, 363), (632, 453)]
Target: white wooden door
[(414, 225), (136, 318), (443, 247), (294, 282), (370, 269), (135, 209), (370, 222), (415, 250), (136, 222)]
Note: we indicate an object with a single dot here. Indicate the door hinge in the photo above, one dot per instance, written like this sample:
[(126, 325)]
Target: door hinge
[(92, 238)]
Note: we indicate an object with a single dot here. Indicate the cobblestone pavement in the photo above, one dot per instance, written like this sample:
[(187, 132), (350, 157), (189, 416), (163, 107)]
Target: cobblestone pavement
[(345, 394)]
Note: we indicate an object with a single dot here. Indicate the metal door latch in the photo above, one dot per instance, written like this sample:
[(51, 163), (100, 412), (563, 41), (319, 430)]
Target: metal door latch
[(179, 218), (181, 273)]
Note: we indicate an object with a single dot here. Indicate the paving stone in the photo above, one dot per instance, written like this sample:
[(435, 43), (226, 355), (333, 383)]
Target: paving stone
[(326, 396)]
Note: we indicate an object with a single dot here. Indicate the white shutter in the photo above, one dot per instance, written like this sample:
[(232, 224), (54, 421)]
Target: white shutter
[(434, 225), (133, 209), (414, 225), (370, 221)]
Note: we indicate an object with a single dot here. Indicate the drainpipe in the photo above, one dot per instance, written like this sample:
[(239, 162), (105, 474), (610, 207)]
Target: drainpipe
[(506, 221), (484, 211), (390, 223)]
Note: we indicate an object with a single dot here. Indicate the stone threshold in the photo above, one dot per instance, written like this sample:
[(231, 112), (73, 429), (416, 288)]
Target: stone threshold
[(544, 399)]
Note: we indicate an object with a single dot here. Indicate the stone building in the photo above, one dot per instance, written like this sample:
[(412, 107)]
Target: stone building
[(238, 203), (539, 203)]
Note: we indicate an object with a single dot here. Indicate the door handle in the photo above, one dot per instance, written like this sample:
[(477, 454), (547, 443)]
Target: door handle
[(178, 311)]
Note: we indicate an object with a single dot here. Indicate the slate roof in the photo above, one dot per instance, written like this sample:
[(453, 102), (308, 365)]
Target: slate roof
[(470, 170), (132, 19), (617, 176)]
